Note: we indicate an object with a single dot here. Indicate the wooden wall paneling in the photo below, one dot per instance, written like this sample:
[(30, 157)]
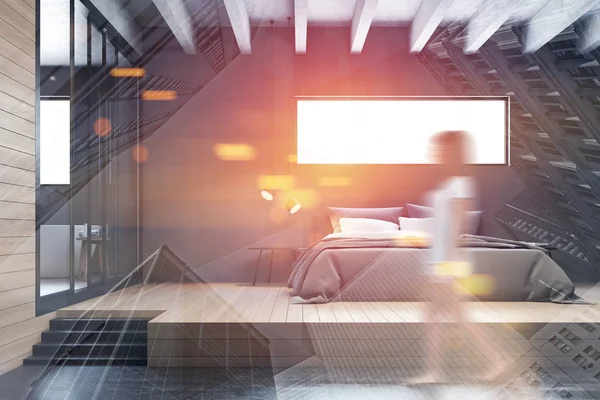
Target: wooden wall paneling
[(12, 35), (17, 107), (17, 90), (19, 330), (13, 364), (16, 141), (17, 21), (14, 71), (20, 348), (17, 228), (10, 299), (20, 313), (19, 126), (25, 8), (17, 262), (19, 245), (19, 211), (17, 159), (19, 327), (20, 194), (17, 176), (15, 280), (18, 57)]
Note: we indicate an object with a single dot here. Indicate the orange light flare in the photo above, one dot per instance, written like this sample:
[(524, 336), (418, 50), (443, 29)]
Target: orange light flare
[(234, 152), (292, 158), (476, 284), (418, 240), (276, 182), (305, 198), (127, 72), (140, 153), (454, 269), (102, 127), (159, 95), (334, 181)]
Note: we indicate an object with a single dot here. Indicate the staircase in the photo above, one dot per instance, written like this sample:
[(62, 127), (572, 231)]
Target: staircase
[(528, 221), (92, 342)]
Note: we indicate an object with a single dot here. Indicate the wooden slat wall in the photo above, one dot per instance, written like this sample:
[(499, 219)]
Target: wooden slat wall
[(19, 329)]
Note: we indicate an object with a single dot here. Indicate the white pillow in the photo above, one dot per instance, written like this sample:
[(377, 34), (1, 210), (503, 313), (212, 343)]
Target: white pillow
[(366, 225), (416, 224)]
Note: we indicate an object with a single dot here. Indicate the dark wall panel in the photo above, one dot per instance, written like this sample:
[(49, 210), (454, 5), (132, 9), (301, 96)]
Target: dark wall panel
[(208, 211)]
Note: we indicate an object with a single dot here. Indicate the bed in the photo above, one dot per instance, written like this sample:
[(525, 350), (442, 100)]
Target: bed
[(384, 266)]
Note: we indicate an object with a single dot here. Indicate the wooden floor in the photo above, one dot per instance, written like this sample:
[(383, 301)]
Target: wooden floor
[(237, 303), (228, 324)]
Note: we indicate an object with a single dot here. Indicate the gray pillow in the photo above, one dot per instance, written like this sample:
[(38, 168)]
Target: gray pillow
[(390, 214), (415, 211)]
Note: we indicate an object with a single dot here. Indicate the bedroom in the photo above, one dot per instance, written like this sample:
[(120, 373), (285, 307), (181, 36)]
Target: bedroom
[(189, 261)]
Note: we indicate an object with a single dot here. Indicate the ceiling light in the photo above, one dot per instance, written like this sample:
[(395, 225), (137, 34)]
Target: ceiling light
[(293, 206), (266, 195)]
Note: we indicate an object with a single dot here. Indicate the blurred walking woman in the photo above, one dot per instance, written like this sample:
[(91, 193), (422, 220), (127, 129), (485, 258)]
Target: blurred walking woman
[(448, 261)]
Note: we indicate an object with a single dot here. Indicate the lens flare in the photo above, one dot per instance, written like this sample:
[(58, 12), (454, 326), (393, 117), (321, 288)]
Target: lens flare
[(308, 197), (477, 285), (140, 153), (159, 95), (417, 240), (456, 269), (276, 182), (234, 152), (127, 72), (102, 127)]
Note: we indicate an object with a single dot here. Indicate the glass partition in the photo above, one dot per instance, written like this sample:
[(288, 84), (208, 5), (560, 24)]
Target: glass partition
[(87, 202)]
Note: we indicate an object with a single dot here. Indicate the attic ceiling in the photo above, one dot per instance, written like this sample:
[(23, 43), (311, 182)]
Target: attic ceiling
[(543, 19), (386, 12)]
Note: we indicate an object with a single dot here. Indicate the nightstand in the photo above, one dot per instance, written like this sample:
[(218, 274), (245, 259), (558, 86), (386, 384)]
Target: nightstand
[(296, 251)]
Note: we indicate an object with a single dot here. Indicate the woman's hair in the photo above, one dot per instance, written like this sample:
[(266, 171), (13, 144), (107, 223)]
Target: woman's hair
[(454, 146)]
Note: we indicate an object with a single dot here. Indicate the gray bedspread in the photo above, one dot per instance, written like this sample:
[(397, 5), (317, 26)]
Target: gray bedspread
[(378, 270)]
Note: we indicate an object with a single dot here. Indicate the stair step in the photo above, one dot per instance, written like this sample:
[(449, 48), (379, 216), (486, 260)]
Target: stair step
[(100, 337), (67, 324), (41, 360), (91, 350)]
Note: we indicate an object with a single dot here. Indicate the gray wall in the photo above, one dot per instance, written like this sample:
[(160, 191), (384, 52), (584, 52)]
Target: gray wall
[(208, 211)]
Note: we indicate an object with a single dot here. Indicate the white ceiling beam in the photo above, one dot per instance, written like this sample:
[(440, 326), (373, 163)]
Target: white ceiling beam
[(240, 23), (590, 34), (301, 24), (121, 20), (361, 23), (488, 18), (428, 17), (179, 20), (552, 20)]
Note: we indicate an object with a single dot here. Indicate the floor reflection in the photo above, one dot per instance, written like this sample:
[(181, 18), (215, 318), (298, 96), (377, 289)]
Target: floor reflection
[(128, 382)]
